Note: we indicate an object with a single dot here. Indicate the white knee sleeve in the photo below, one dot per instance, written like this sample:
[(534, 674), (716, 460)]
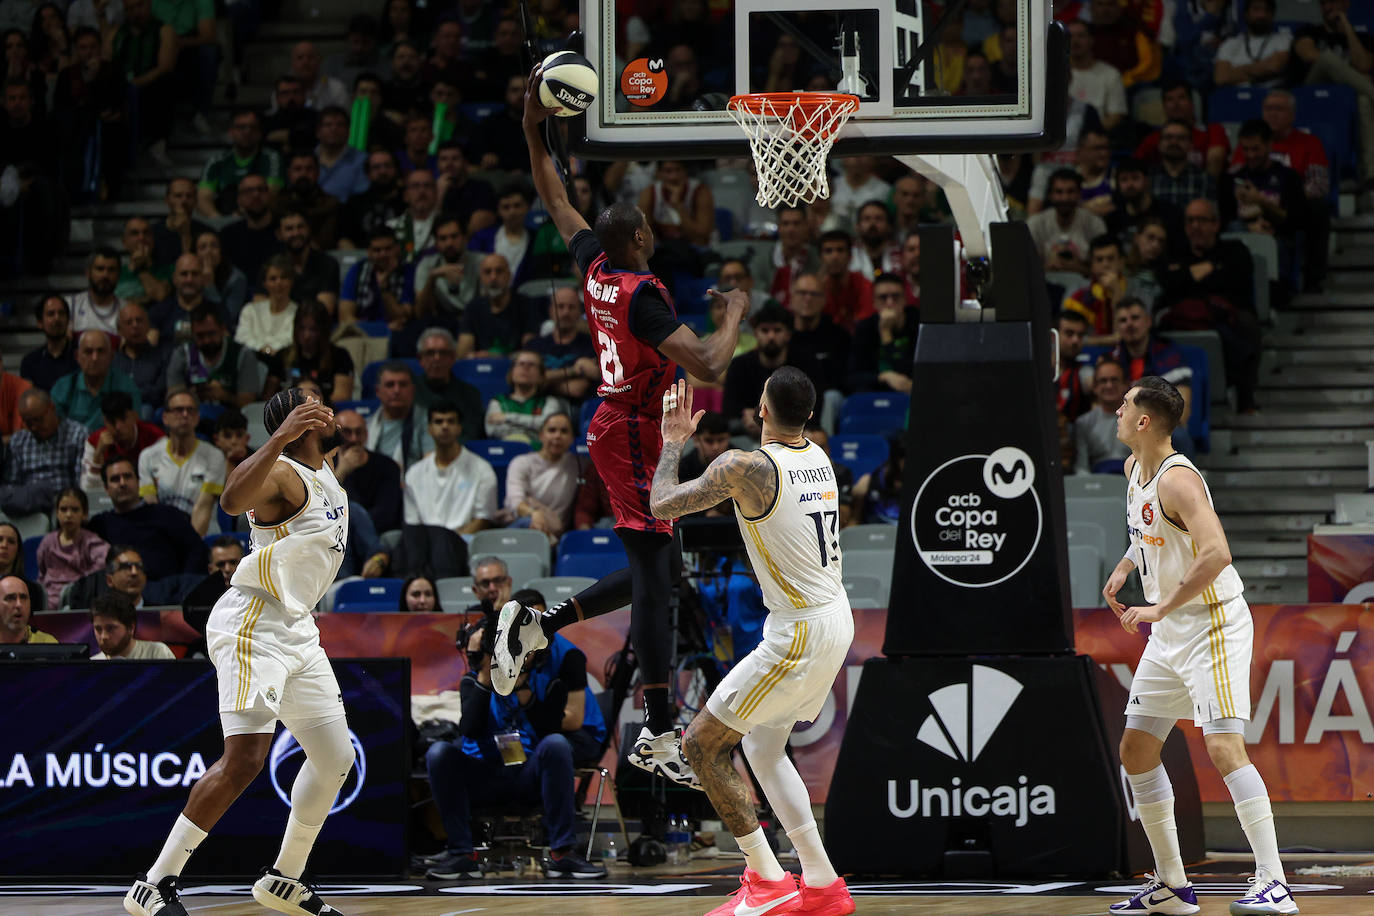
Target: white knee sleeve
[(1228, 726), (1152, 725)]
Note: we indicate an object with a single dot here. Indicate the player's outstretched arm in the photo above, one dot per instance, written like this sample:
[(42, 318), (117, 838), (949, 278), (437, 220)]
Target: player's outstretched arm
[(253, 485), (747, 477), (547, 184), (708, 358)]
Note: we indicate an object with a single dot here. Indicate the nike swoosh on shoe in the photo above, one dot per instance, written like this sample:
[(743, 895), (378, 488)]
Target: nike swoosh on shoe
[(745, 909)]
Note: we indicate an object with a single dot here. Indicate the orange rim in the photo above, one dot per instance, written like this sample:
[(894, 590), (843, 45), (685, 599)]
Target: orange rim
[(754, 102)]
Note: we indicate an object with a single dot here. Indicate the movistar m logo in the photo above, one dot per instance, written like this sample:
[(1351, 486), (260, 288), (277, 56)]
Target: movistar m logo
[(966, 715), (1004, 476)]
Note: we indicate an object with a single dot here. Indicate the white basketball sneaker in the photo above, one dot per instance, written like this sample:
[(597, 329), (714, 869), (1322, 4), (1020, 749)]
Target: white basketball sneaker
[(1157, 897), (290, 895), (1267, 895), (662, 754), (518, 635), (148, 899)]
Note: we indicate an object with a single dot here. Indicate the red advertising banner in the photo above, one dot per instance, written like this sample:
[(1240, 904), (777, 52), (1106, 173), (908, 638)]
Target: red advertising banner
[(1338, 565)]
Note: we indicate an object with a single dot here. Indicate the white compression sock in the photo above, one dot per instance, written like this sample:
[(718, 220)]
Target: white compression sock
[(295, 847), (1154, 802), (816, 868), (766, 749), (181, 842), (328, 758), (758, 855), (1256, 818)]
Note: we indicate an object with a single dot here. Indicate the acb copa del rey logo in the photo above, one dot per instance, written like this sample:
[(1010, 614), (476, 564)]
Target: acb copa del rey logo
[(977, 518)]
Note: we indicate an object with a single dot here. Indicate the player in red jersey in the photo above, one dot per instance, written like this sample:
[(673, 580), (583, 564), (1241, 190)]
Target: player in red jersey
[(639, 344)]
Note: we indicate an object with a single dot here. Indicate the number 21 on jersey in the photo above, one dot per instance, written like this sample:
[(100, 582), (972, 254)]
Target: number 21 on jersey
[(612, 373)]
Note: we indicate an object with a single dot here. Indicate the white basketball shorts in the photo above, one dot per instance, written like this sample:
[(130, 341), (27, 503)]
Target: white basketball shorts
[(266, 657), (1196, 665), (788, 675)]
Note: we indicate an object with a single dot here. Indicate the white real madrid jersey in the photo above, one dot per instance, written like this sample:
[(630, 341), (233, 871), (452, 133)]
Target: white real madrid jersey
[(794, 546), (1166, 550), (293, 562)]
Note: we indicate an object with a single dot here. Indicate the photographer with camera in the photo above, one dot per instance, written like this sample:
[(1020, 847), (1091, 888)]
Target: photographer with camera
[(520, 748)]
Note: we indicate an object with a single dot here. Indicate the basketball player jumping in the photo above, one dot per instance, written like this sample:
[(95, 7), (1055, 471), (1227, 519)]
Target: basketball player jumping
[(1196, 663), (268, 660), (787, 506), (638, 341)]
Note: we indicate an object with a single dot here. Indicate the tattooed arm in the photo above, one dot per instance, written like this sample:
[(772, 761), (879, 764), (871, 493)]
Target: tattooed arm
[(747, 477)]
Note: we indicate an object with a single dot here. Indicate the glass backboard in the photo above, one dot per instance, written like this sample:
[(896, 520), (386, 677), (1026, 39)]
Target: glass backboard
[(668, 67)]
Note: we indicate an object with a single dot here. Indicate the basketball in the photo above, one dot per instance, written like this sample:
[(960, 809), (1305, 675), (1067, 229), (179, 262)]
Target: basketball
[(569, 83)]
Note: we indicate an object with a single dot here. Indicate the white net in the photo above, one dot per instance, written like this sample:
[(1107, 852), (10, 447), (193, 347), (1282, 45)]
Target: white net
[(790, 135)]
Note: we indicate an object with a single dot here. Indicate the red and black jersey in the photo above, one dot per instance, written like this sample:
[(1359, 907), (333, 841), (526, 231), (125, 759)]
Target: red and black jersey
[(629, 314)]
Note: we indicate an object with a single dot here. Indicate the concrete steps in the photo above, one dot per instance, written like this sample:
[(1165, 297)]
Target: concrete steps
[(1259, 438), (1234, 501), (1290, 548), (1261, 526), (1288, 457)]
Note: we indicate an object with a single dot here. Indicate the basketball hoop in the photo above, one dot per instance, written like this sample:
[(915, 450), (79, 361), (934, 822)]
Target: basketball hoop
[(790, 135)]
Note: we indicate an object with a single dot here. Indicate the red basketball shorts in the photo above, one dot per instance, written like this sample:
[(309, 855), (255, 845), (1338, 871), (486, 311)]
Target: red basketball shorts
[(625, 443)]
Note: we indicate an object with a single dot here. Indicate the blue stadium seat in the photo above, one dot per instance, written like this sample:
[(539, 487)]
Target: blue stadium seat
[(368, 596), (367, 407), (499, 453), (487, 375), (869, 424), (590, 565), (374, 328), (372, 370), (1328, 113), (689, 293), (1234, 104), (862, 453), (584, 417), (888, 407), (725, 224), (595, 540), (31, 556), (479, 111), (243, 538), (591, 553)]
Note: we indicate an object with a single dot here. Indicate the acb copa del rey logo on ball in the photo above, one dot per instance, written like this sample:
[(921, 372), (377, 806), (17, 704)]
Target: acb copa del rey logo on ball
[(977, 519)]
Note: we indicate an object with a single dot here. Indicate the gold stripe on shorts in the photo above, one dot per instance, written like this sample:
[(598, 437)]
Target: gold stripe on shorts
[(775, 676), (244, 650)]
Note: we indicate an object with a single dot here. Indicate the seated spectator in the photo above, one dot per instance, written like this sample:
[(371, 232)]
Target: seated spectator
[(877, 251), (735, 274), (11, 387), (856, 185), (1176, 180), (77, 395), (226, 553), (343, 168), (198, 54), (313, 274), (911, 269), (96, 308), (878, 494), (311, 355), (1095, 431), (144, 48), (289, 124), (710, 393), (222, 283), (1147, 260), (446, 277), (499, 321), (380, 288), (1140, 352), (419, 596), (57, 356), (747, 373), (140, 278), (1063, 232), (139, 358), (541, 486), (12, 563), (232, 439), (369, 212), (321, 89), (16, 609), (1093, 159), (844, 477), (183, 472), (1269, 196), (438, 352), (1208, 144), (475, 767), (252, 238), (520, 414), (371, 480), (114, 619), (400, 429), (549, 255), (218, 195), (414, 155), (1120, 41), (510, 237), (1092, 81), (1107, 285), (1333, 52), (1259, 55), (72, 551), (500, 139), (883, 352), (267, 323), (162, 535), (44, 457), (414, 228), (816, 339), (571, 370), (470, 199), (171, 318), (592, 506), (217, 369), (1071, 398), (1134, 202), (848, 293), (710, 441), (1210, 287), (124, 435), (792, 254), (175, 234), (679, 208)]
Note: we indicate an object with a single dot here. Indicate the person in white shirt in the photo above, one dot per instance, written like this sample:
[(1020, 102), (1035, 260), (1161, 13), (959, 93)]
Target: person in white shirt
[(1092, 81), (1259, 55), (266, 324), (855, 187), (96, 308), (181, 471), (541, 486), (321, 91), (415, 227), (114, 621), (451, 487)]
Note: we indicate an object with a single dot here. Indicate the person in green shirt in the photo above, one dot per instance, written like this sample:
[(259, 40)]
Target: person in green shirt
[(198, 53), (217, 195), (77, 395)]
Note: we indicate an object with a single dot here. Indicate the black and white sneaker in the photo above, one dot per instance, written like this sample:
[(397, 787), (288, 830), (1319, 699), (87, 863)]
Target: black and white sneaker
[(454, 866), (518, 635), (662, 755), (571, 865), (290, 895), (159, 899)]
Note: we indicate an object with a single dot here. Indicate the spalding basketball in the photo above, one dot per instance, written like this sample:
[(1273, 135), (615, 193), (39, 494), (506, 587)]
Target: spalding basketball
[(569, 83)]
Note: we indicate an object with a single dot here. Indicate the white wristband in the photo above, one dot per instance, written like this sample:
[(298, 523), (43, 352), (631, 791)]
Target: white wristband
[(1133, 554)]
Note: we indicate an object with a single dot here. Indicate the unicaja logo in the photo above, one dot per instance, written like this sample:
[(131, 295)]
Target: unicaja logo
[(963, 721)]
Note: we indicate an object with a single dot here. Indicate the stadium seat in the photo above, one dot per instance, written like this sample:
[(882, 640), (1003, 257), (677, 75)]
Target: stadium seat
[(502, 541), (590, 565), (499, 453), (585, 414), (868, 537), (1076, 485), (31, 556), (875, 563), (366, 407), (455, 594), (725, 224), (487, 375), (99, 500), (689, 293), (862, 453), (524, 567), (374, 328), (865, 592), (889, 405), (596, 540), (30, 526), (559, 588), (372, 370), (1234, 104), (1085, 576), (476, 112), (257, 426), (1109, 513), (1327, 111), (1210, 343), (368, 596), (243, 537), (1088, 534)]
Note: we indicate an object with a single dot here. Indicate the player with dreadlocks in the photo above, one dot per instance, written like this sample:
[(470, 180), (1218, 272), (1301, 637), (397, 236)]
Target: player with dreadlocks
[(268, 660)]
